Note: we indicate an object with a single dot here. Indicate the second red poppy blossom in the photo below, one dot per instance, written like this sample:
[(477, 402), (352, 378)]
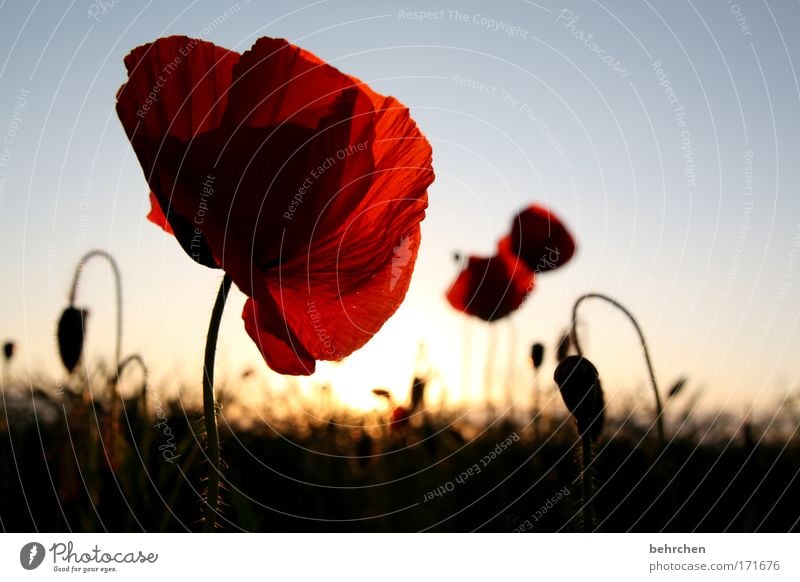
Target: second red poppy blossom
[(540, 239), (491, 288)]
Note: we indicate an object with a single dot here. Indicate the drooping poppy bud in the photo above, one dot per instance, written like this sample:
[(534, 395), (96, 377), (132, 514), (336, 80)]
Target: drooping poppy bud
[(382, 393), (579, 382), (8, 350), (537, 355), (71, 329)]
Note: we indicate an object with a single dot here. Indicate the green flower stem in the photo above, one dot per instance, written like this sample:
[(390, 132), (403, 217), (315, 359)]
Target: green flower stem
[(210, 409), (629, 315)]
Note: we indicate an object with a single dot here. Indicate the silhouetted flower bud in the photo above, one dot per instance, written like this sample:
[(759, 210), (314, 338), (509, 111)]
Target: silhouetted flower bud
[(417, 393), (537, 355), (579, 382), (8, 350), (71, 335), (677, 387), (382, 393)]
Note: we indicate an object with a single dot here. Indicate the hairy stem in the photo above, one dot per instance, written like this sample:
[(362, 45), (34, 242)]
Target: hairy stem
[(535, 413), (112, 385), (209, 406), (586, 482)]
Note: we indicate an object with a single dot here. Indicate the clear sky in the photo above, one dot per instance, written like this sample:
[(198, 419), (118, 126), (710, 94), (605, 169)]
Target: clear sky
[(664, 133)]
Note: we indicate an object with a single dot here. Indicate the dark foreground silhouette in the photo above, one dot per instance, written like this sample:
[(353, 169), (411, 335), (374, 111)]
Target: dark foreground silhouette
[(65, 465)]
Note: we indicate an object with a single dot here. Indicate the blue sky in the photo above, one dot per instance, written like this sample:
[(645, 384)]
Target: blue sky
[(664, 133)]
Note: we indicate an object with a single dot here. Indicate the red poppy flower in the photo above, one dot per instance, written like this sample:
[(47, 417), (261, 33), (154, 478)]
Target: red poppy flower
[(299, 181), (540, 239), (491, 288)]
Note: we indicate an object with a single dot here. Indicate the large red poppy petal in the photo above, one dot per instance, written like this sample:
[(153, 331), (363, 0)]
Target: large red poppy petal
[(361, 251), (330, 321), (176, 92), (290, 179), (157, 216), (541, 239), (282, 351), (178, 196), (176, 86), (275, 82), (376, 222)]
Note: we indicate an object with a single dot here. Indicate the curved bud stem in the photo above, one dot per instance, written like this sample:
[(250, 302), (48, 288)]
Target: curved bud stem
[(141, 407), (118, 284), (209, 406), (629, 315), (135, 358)]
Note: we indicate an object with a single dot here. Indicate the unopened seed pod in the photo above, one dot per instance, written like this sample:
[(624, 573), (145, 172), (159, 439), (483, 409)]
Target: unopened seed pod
[(676, 387), (537, 355), (417, 392), (8, 350), (71, 335), (579, 382)]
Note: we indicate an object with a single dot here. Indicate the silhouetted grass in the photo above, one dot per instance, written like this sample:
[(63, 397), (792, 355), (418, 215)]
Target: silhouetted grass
[(358, 473)]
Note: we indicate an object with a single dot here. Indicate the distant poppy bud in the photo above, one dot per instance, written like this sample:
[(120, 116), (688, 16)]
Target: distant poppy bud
[(382, 393), (677, 387), (417, 393), (579, 382), (537, 355), (8, 350), (71, 335), (400, 416)]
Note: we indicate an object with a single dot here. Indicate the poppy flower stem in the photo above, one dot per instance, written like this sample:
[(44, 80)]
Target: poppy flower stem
[(629, 315), (210, 408), (112, 385), (535, 413), (73, 292), (466, 358), (511, 376), (141, 401), (488, 369), (586, 483)]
